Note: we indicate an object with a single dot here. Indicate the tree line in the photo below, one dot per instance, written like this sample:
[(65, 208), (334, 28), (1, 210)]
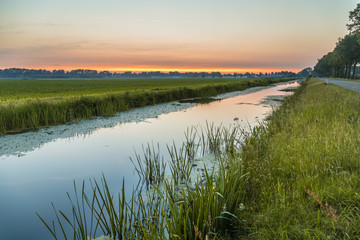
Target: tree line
[(342, 61), (88, 73)]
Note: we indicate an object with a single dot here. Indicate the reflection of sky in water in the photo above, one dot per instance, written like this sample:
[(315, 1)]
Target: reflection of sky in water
[(29, 183)]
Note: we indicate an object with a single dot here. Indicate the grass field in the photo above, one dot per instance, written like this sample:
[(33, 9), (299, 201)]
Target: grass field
[(29, 104), (303, 167), (18, 89)]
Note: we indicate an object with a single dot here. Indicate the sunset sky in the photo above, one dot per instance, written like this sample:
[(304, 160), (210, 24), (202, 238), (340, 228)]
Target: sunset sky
[(165, 35)]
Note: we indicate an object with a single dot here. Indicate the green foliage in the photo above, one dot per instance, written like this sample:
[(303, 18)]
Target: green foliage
[(342, 60), (167, 209), (354, 17), (150, 168), (346, 55), (31, 104), (305, 72), (304, 167)]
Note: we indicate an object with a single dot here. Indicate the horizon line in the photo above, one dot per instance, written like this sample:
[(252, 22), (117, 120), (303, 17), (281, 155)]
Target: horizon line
[(164, 69)]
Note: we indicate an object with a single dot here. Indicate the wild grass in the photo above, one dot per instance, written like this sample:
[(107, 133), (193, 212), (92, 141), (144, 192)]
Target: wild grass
[(303, 167), (30, 104), (54, 89), (150, 168), (180, 165), (209, 210)]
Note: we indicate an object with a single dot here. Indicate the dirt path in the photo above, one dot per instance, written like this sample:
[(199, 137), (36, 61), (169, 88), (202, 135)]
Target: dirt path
[(353, 86)]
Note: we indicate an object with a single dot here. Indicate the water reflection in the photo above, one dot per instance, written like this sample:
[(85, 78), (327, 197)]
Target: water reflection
[(33, 178)]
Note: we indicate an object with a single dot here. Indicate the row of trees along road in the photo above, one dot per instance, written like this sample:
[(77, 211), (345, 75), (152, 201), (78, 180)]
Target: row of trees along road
[(342, 61)]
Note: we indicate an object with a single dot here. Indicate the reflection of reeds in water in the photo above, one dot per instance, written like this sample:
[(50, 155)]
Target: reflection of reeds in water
[(180, 165), (205, 210), (150, 168), (211, 139), (182, 159)]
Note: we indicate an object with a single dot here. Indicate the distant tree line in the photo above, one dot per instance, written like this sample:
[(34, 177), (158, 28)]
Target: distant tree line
[(342, 61), (88, 73)]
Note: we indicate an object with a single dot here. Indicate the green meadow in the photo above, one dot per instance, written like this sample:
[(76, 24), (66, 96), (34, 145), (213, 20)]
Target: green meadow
[(18, 89), (30, 104)]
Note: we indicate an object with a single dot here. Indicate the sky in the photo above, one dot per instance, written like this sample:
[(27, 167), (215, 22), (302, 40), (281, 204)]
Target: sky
[(170, 35)]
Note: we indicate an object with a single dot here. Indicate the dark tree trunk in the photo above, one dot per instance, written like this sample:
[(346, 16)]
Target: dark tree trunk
[(354, 69), (341, 71), (348, 71), (349, 74), (345, 72)]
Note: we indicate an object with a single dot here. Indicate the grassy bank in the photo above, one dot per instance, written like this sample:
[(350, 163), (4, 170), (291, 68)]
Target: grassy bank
[(303, 168), (29, 104)]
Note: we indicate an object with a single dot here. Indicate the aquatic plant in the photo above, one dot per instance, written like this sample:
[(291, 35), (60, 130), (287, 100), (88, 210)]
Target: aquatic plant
[(180, 165), (208, 207), (150, 168)]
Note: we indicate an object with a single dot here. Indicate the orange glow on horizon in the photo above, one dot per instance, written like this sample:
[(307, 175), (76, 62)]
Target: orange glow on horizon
[(167, 69)]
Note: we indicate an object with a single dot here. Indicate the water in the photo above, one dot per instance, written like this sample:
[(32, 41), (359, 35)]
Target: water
[(30, 181)]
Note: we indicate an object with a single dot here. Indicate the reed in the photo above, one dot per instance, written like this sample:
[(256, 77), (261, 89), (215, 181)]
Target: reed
[(211, 139), (211, 210), (206, 209), (180, 165), (150, 168), (52, 102)]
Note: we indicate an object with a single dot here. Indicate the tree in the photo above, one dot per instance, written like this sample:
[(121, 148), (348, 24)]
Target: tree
[(341, 60), (349, 49), (354, 18), (305, 72)]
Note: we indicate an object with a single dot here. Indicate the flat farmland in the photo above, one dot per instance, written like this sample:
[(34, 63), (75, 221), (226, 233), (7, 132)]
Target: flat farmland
[(19, 89), (29, 104)]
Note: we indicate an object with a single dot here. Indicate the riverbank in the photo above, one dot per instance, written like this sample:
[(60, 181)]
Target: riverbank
[(53, 102), (303, 167), (239, 110), (297, 177), (20, 144)]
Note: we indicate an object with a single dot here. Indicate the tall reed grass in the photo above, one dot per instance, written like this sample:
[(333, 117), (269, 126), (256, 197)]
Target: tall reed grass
[(32, 113), (206, 209), (151, 168)]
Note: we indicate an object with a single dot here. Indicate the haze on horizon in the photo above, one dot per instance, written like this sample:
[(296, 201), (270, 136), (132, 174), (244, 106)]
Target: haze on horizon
[(165, 35)]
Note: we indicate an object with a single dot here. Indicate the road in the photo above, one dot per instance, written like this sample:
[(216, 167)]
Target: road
[(353, 86)]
